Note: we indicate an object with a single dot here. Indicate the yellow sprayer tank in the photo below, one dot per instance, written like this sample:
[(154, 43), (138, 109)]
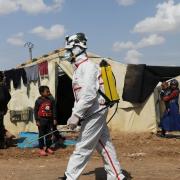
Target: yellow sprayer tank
[(109, 81)]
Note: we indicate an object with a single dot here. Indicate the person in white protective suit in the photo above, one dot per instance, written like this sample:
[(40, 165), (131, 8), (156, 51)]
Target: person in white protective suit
[(94, 132)]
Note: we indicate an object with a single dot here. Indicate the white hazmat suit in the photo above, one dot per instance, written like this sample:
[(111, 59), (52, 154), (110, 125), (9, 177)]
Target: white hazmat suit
[(94, 132)]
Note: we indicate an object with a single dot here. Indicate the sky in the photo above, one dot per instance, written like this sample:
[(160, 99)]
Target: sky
[(128, 31)]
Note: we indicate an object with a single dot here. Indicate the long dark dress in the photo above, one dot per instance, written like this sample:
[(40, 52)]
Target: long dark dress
[(171, 118)]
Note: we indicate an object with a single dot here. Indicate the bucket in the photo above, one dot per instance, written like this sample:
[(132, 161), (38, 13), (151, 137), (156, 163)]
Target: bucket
[(28, 140)]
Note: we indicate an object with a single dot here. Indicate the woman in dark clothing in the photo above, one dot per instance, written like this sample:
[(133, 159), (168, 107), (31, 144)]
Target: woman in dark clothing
[(4, 99), (171, 118)]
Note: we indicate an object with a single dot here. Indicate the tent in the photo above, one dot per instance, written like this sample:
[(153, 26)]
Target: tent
[(130, 117)]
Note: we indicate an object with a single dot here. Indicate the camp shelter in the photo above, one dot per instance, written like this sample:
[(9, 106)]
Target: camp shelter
[(129, 117)]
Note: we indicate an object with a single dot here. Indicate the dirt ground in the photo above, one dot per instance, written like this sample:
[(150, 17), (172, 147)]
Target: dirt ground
[(142, 157)]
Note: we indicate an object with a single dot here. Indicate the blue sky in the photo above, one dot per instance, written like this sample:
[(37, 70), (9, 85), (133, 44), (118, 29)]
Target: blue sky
[(129, 31)]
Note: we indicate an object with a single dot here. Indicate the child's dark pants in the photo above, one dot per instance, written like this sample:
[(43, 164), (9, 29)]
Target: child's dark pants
[(45, 128)]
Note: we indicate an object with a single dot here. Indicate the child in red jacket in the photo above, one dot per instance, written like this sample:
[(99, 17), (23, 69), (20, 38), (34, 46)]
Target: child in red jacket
[(45, 117)]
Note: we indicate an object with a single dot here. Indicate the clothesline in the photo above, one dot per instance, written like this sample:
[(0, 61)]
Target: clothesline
[(41, 59), (27, 73), (31, 70)]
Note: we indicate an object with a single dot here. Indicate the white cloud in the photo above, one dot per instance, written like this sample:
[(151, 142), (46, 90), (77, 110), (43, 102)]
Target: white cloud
[(167, 18), (16, 40), (54, 32), (38, 6), (151, 40), (118, 46), (133, 57), (29, 6), (8, 6), (125, 2)]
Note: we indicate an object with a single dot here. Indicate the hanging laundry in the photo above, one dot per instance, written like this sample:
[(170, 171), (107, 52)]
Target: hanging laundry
[(9, 77), (15, 75), (32, 73), (43, 69), (18, 74)]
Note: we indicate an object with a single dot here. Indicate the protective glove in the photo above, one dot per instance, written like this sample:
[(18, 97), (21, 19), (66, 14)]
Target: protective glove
[(73, 122)]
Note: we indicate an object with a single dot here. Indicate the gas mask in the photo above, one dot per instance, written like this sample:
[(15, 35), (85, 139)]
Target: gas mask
[(68, 56), (71, 54), (75, 45)]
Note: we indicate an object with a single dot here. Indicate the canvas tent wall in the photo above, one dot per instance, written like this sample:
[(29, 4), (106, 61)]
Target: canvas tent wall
[(129, 117), (21, 101)]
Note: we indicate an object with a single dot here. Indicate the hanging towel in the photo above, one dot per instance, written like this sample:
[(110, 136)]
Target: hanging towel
[(32, 73), (43, 69), (18, 74), (9, 77), (15, 75)]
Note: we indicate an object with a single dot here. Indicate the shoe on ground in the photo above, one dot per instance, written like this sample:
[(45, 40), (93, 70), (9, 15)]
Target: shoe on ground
[(42, 152), (49, 151), (62, 178)]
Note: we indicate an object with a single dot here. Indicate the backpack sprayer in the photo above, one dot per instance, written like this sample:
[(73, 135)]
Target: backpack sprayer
[(109, 82), (110, 94), (109, 86)]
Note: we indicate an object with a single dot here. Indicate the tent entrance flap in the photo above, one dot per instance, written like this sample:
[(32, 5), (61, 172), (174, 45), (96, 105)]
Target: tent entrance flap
[(65, 99)]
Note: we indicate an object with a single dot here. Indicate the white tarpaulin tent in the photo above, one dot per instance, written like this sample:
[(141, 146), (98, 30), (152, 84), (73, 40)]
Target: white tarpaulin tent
[(129, 117)]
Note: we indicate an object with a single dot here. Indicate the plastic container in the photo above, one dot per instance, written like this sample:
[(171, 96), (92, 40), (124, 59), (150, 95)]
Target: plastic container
[(28, 140)]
